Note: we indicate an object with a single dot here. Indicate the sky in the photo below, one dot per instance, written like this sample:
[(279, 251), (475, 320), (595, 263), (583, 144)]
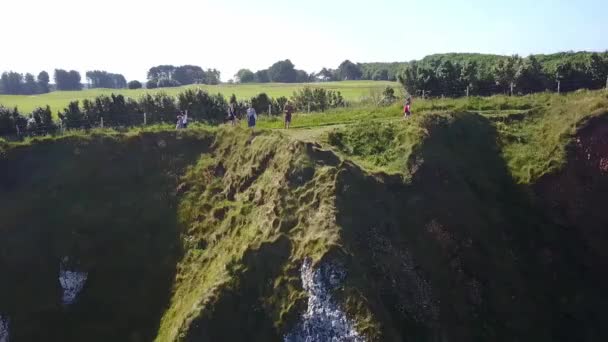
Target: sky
[(130, 36)]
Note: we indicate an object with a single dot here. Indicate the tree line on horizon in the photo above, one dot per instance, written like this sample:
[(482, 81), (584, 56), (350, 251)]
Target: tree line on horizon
[(453, 74)]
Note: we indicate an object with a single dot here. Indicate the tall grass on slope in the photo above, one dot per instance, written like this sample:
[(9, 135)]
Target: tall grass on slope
[(537, 145)]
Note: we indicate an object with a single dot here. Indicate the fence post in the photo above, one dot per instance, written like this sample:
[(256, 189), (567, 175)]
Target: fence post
[(423, 94), (270, 109), (308, 107), (101, 123), (559, 83), (511, 89), (467, 91), (145, 119), (61, 127)]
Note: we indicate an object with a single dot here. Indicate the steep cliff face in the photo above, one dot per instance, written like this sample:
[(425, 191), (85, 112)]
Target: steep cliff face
[(574, 198), (233, 236), (89, 237)]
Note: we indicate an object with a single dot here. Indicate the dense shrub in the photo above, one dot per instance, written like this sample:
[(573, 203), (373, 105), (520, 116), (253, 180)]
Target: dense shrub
[(319, 99), (9, 120), (202, 106), (134, 85)]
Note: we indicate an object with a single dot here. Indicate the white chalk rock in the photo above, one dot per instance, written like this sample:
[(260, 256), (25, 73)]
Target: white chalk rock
[(72, 282), (323, 320)]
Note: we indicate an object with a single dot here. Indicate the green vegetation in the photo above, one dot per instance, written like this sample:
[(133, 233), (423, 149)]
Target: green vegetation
[(189, 234), (351, 91)]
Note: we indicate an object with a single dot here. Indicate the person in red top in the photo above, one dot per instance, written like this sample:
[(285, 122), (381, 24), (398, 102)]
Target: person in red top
[(407, 108), (288, 112)]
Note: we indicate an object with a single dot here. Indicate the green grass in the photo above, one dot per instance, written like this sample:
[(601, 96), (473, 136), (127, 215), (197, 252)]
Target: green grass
[(351, 90), (215, 221)]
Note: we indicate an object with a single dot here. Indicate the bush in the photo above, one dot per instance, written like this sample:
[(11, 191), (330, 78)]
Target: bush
[(44, 121), (202, 106), (73, 117), (134, 85), (261, 102), (9, 120), (319, 99), (159, 108), (152, 84)]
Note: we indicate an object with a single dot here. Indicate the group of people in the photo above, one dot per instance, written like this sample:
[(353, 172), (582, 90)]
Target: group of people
[(252, 115)]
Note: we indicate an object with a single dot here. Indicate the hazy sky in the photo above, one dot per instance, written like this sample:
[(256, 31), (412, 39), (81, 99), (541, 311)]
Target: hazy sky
[(129, 36)]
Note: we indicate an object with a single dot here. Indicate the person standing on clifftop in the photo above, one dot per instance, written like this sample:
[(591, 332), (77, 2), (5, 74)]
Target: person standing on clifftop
[(232, 114), (407, 108), (251, 116), (179, 124), (288, 112)]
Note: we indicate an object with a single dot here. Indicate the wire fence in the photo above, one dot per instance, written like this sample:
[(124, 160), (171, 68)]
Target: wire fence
[(125, 121)]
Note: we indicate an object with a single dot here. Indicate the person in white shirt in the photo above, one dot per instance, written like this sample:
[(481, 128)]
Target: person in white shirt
[(251, 116)]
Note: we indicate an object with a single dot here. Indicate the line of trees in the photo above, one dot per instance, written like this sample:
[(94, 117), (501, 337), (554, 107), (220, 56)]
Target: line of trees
[(15, 83), (67, 80), (280, 72), (505, 75), (18, 84), (104, 79), (171, 76), (285, 72)]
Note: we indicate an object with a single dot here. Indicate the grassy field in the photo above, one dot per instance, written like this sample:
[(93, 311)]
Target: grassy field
[(351, 90)]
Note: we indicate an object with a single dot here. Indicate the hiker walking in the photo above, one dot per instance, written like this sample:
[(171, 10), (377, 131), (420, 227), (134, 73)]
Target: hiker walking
[(180, 122), (232, 114), (185, 119), (251, 116), (407, 108), (288, 113)]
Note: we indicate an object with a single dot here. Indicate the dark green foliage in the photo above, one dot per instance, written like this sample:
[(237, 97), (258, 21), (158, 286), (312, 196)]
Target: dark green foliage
[(278, 105), (17, 84), (326, 75), (388, 96), (261, 103), (371, 70), (530, 78), (43, 82), (9, 120), (43, 119), (161, 72), (29, 86), (104, 79), (134, 84), (283, 72), (67, 80), (11, 82), (202, 106), (171, 76), (152, 84), (302, 76), (261, 76), (159, 107), (189, 74), (317, 99), (245, 76), (73, 117), (380, 75), (166, 83), (349, 71)]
